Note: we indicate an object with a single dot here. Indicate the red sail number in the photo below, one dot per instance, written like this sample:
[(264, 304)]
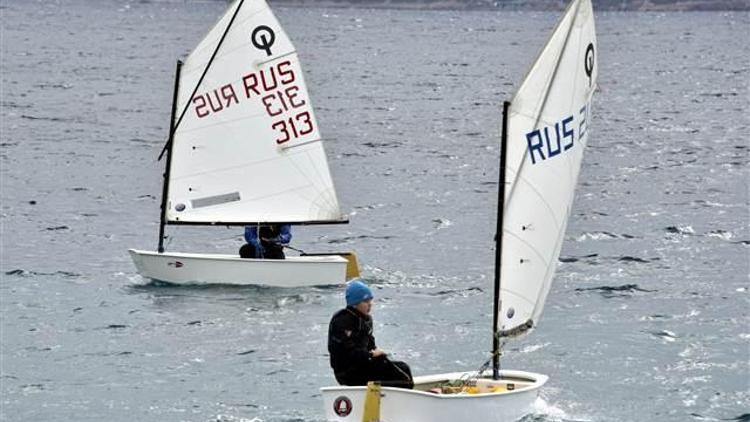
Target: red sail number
[(293, 127)]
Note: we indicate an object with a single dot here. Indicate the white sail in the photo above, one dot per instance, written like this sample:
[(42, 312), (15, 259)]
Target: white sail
[(546, 135), (248, 147)]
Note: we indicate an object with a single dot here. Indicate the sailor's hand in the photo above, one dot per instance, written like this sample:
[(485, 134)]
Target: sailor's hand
[(376, 352)]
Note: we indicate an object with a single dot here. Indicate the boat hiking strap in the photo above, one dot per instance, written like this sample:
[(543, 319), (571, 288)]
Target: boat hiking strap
[(292, 248), (372, 403)]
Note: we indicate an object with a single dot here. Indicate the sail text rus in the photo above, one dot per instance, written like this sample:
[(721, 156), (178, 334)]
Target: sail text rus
[(552, 140), (276, 89)]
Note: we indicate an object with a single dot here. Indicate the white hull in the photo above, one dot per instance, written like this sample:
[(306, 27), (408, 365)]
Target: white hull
[(189, 268), (419, 405)]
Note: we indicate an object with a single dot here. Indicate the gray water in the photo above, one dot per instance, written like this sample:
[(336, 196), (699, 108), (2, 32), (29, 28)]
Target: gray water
[(648, 317)]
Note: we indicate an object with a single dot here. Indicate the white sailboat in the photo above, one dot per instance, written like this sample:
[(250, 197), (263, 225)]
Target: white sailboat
[(244, 149), (543, 137)]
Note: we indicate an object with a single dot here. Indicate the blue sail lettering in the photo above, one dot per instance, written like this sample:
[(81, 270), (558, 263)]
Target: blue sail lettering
[(535, 146), (550, 151), (556, 138), (567, 133)]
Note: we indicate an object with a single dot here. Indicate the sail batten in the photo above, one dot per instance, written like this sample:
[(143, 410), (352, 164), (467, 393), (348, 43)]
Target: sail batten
[(547, 130), (248, 148)]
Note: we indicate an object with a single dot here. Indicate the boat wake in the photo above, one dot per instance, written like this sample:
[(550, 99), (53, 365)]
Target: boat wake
[(547, 412)]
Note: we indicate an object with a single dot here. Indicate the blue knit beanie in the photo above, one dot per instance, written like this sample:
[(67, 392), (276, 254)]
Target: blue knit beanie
[(356, 292)]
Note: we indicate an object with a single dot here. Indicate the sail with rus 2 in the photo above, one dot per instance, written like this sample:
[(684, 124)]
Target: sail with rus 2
[(244, 149), (544, 133)]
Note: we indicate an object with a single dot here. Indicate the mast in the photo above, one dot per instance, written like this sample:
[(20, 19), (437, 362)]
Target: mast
[(499, 244), (172, 128)]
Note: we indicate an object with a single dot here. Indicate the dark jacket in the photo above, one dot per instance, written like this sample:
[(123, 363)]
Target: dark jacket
[(349, 342)]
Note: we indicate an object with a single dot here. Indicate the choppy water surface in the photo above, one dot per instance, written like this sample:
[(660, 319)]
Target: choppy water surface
[(647, 321)]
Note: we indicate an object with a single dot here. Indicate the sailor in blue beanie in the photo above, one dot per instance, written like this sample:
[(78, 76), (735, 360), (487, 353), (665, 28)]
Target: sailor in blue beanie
[(357, 292), (355, 358)]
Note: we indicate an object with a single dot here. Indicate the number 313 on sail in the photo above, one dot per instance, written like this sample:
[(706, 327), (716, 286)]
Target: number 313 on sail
[(299, 125)]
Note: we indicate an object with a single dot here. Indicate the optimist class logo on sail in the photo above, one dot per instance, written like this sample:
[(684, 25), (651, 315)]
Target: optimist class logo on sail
[(278, 92), (543, 144)]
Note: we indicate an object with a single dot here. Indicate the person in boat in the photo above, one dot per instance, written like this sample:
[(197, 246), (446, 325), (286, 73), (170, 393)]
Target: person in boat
[(266, 242), (355, 358)]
